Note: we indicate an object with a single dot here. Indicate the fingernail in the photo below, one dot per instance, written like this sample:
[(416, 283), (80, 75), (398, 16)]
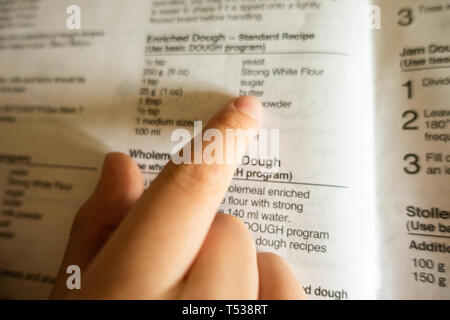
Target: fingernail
[(250, 106)]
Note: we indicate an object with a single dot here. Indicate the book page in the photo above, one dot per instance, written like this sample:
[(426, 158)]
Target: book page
[(413, 158), (135, 72)]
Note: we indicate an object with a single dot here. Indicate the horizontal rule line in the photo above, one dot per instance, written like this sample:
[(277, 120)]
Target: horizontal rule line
[(54, 166), (296, 183), (274, 181), (62, 166), (428, 235), (251, 54), (427, 68)]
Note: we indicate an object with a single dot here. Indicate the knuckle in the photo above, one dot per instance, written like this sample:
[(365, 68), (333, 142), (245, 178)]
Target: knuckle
[(198, 180)]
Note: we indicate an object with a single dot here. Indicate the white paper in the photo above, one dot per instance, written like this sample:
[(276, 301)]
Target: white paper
[(66, 101), (413, 123)]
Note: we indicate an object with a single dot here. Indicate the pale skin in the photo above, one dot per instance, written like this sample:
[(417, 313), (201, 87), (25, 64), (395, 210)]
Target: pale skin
[(168, 242)]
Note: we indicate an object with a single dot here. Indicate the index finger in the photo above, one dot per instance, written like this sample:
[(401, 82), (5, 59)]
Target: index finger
[(172, 218)]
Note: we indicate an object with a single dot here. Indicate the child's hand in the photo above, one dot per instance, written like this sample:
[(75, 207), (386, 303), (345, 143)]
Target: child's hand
[(168, 242)]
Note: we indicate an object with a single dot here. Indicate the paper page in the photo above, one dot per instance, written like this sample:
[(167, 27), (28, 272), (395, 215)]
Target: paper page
[(134, 72), (413, 158)]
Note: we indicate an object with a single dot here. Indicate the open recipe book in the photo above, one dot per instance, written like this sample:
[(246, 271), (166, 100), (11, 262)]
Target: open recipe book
[(359, 203)]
